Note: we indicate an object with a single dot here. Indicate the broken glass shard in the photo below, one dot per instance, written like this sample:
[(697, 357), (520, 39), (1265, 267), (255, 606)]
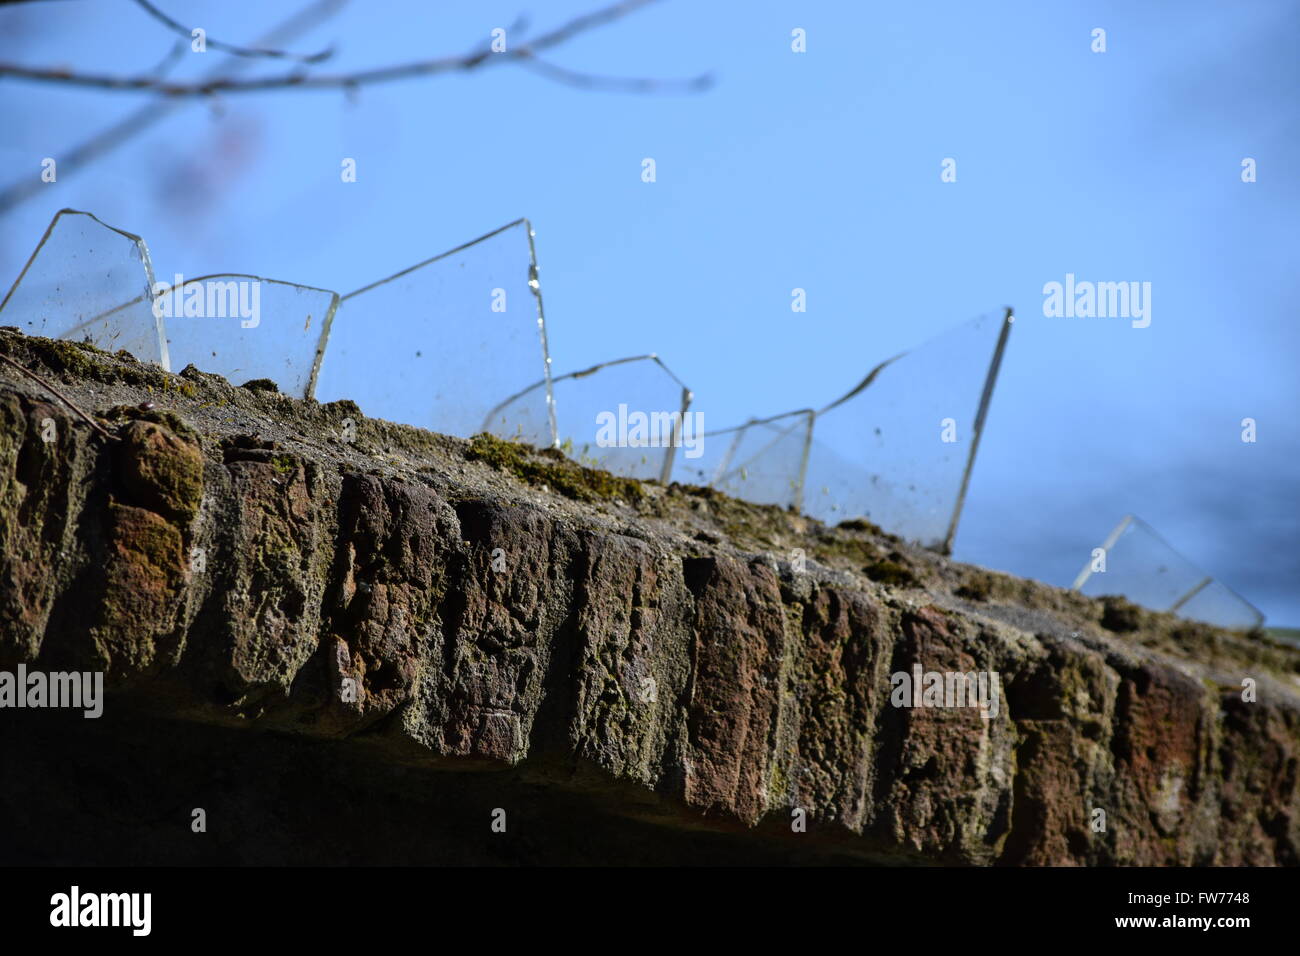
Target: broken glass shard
[(244, 328), (443, 344), (629, 417), (457, 344), (761, 461), (898, 448), (88, 282), (1137, 564)]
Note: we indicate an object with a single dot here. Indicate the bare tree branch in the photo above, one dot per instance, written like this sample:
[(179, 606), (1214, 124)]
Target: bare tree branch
[(349, 81), (170, 60), (187, 32), (620, 84), (111, 137)]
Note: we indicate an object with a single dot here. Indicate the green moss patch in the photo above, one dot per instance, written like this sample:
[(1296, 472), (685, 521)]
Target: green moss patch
[(891, 573), (549, 467), (160, 470), (1120, 615), (260, 385)]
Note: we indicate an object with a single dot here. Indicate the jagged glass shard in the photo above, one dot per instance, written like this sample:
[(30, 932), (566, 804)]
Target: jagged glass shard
[(244, 327), (835, 488), (761, 461), (622, 416), (1216, 603), (446, 344), (88, 282), (1142, 567), (898, 448), (443, 343)]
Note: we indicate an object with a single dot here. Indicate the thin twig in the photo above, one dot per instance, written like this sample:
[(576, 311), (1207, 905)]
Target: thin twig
[(185, 31), (617, 84), (123, 131), (302, 80), (63, 398), (170, 60)]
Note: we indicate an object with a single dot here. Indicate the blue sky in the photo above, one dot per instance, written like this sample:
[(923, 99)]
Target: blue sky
[(818, 170)]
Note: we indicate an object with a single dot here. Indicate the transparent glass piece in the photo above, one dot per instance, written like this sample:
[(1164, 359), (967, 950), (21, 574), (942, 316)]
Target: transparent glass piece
[(1142, 567), (442, 344), (599, 412), (761, 461), (446, 344), (1218, 604), (88, 282), (835, 489), (244, 327), (899, 447)]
